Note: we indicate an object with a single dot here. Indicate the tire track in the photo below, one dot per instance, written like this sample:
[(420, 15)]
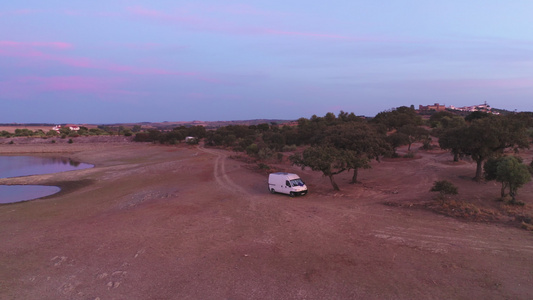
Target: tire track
[(220, 174), (443, 243)]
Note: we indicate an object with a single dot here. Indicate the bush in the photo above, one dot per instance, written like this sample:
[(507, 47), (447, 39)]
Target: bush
[(265, 153), (142, 137), (288, 148), (70, 141), (444, 187), (252, 150)]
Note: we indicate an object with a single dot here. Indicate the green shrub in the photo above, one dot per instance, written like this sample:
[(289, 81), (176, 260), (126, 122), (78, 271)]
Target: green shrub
[(265, 153), (288, 148), (444, 187), (253, 149)]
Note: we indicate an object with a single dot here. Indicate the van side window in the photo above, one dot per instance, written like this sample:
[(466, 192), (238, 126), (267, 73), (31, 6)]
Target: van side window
[(287, 183)]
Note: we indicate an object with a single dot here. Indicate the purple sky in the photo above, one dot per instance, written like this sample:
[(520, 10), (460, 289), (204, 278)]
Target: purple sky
[(133, 61)]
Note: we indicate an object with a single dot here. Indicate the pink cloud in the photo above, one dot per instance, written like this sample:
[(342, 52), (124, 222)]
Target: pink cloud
[(30, 86), (31, 51), (139, 10), (237, 9), (143, 46), (108, 14), (71, 83), (217, 25), (308, 34), (56, 45), (181, 17), (18, 12)]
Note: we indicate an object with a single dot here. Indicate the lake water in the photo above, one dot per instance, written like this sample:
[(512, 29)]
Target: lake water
[(17, 193), (15, 166)]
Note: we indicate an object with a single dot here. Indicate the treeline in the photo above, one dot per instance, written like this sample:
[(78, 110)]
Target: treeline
[(333, 144), (482, 136), (67, 132), (171, 137), (63, 132)]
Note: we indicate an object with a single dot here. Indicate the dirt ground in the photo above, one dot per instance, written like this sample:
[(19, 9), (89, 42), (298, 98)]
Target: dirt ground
[(185, 222)]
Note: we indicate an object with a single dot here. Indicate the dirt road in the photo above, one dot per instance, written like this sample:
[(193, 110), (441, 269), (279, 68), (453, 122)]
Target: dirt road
[(161, 222)]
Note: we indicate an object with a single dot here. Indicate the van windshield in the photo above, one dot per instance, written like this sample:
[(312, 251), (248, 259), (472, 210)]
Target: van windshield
[(297, 182)]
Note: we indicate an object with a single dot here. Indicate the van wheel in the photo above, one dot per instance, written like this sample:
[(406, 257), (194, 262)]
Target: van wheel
[(272, 191), (291, 194)]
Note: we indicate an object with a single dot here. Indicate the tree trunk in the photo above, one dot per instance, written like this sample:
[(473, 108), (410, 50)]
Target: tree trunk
[(512, 193), (354, 177), (333, 183), (479, 170), (456, 157), (502, 192)]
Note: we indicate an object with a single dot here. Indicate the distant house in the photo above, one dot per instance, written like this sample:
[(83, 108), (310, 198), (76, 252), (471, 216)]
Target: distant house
[(481, 107), (57, 128), (435, 107)]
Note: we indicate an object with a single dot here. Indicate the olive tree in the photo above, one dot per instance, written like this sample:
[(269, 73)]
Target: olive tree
[(398, 117), (324, 158), (364, 142), (510, 171), (414, 134), (489, 137)]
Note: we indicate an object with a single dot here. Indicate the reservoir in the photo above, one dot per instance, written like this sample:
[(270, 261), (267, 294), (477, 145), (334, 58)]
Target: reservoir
[(17, 193), (15, 166)]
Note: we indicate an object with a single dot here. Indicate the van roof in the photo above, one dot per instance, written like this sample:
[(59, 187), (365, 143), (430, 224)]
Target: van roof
[(285, 174)]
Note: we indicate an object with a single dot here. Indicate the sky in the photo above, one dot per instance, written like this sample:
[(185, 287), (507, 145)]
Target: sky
[(98, 62)]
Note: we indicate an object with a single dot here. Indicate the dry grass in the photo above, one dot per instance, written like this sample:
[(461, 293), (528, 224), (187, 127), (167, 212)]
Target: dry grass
[(463, 210), (518, 215)]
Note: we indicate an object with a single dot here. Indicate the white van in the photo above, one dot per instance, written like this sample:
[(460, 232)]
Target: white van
[(286, 183)]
